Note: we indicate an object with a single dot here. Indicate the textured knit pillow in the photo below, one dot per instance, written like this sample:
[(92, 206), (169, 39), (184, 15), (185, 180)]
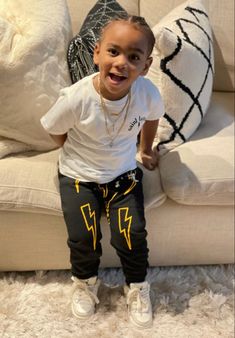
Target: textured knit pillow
[(80, 51), (33, 69), (183, 71)]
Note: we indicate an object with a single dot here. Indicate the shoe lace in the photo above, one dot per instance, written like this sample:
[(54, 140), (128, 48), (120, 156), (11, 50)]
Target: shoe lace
[(83, 290), (140, 298)]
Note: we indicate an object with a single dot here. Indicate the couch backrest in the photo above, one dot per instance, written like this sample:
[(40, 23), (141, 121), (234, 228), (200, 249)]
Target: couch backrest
[(80, 8), (221, 14)]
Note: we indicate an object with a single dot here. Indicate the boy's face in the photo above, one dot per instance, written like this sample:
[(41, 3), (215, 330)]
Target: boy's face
[(122, 55)]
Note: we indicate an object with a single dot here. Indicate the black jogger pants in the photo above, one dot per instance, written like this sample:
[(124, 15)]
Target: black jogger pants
[(122, 199)]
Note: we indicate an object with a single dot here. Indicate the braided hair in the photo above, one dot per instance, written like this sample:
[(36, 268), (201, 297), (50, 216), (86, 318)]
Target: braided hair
[(139, 23)]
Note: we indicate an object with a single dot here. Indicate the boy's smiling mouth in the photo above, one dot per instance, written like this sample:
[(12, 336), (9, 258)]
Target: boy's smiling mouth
[(117, 78)]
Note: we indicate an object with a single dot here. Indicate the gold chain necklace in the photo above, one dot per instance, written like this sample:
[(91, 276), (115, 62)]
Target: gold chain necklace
[(107, 115)]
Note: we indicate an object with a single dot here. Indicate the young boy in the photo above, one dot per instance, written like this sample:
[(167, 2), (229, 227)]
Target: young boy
[(97, 121)]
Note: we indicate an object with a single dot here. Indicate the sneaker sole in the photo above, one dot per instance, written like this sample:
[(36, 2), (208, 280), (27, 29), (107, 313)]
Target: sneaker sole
[(84, 317), (140, 326)]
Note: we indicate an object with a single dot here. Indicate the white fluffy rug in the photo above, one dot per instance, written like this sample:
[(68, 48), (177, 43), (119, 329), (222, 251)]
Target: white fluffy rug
[(187, 301)]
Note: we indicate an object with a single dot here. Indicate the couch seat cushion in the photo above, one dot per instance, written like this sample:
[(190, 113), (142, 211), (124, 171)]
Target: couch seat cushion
[(201, 171), (28, 182)]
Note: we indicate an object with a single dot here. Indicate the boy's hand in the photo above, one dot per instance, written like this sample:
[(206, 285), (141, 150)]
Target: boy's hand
[(148, 155), (149, 159)]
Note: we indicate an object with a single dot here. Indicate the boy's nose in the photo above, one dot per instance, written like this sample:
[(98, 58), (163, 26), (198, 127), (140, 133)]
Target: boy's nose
[(122, 61)]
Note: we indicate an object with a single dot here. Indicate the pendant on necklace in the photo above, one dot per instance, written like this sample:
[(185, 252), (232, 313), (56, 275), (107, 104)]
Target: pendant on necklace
[(111, 144)]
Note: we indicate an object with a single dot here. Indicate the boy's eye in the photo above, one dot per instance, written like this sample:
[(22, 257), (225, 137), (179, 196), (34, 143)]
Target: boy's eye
[(134, 57), (112, 51)]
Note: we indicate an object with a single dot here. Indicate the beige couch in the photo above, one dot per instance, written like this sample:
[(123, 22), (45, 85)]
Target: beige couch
[(189, 198)]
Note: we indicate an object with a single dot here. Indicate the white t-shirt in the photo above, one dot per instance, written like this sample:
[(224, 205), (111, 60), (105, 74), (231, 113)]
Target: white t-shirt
[(86, 154)]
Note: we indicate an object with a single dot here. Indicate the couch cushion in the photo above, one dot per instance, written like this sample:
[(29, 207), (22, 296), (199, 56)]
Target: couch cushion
[(201, 171), (183, 70), (28, 182), (222, 19), (33, 69), (221, 16)]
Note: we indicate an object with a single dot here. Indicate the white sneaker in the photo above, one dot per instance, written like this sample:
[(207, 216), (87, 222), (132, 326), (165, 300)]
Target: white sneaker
[(139, 304), (84, 296)]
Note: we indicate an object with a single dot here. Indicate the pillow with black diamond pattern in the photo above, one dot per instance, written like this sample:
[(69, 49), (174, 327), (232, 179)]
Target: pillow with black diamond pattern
[(182, 69), (80, 50)]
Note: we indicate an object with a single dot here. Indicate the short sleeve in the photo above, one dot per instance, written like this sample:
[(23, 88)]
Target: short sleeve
[(60, 118), (156, 105)]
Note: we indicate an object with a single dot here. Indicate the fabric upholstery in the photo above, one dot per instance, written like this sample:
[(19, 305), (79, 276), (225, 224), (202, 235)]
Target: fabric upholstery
[(221, 14), (201, 171), (32, 184), (38, 242), (222, 19), (33, 68), (183, 70), (78, 11)]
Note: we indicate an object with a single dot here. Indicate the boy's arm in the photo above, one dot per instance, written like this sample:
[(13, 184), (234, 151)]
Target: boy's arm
[(59, 139), (148, 156)]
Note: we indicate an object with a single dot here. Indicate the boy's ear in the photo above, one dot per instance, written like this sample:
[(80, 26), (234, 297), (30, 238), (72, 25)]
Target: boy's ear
[(147, 66), (96, 54)]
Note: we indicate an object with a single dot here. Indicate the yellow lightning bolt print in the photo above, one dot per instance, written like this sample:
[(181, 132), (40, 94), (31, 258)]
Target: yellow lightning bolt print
[(90, 221), (125, 224), (77, 185)]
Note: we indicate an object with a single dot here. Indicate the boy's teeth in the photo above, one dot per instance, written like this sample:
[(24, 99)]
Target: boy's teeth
[(117, 77)]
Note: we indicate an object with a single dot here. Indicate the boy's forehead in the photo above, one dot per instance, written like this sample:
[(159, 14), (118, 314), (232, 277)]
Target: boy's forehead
[(123, 30), (117, 25), (111, 24)]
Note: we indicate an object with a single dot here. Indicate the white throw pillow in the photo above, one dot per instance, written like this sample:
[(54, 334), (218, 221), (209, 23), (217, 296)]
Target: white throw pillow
[(183, 69), (34, 37)]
